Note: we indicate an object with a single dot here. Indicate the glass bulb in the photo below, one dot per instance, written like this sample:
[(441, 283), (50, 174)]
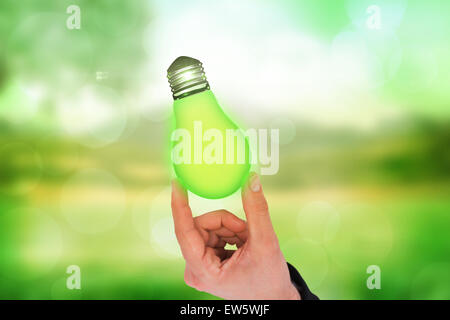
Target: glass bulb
[(215, 162)]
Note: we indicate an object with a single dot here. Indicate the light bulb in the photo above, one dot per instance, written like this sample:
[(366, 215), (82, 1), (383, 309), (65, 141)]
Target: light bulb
[(215, 162)]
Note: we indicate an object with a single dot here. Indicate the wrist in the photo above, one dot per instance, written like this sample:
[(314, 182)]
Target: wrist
[(292, 293)]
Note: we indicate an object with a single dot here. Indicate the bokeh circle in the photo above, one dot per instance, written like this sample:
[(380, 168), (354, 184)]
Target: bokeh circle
[(365, 237), (93, 201), (93, 115), (318, 221)]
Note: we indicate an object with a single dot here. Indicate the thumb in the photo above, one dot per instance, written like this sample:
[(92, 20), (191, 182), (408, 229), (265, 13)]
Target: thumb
[(256, 209)]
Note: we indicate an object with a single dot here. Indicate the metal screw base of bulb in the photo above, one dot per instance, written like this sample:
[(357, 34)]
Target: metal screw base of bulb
[(186, 77)]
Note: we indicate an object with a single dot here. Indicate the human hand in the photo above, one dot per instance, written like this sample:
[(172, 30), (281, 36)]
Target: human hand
[(256, 270)]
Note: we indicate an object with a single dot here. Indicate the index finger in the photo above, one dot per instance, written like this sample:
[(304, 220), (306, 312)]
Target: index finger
[(190, 241)]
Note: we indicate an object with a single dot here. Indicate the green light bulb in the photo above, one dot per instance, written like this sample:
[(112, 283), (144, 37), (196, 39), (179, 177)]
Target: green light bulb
[(210, 154)]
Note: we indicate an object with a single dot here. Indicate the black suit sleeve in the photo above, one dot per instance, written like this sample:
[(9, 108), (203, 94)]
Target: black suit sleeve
[(300, 284)]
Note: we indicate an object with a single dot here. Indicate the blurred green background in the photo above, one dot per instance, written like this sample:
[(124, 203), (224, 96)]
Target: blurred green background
[(363, 108)]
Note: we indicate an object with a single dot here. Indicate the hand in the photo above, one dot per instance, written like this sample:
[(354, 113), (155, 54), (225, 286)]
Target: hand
[(256, 270)]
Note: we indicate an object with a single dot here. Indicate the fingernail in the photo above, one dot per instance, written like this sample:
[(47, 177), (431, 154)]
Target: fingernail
[(255, 184)]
